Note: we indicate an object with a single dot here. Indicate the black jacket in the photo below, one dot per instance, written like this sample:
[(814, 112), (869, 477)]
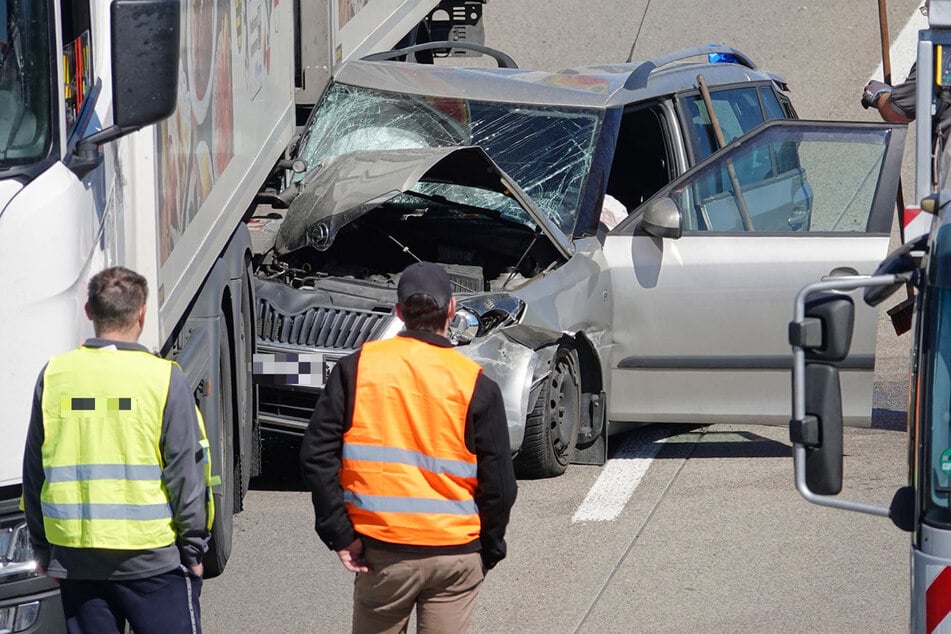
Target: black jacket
[(486, 435)]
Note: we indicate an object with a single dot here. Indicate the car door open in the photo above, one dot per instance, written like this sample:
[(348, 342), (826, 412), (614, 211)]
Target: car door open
[(694, 317)]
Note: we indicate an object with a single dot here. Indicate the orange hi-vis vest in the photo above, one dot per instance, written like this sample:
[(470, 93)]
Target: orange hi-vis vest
[(407, 475)]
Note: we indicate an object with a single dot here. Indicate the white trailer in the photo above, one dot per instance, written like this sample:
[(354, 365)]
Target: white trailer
[(138, 133)]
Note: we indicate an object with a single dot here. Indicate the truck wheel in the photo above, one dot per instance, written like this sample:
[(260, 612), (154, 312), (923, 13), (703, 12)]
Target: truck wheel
[(248, 463), (551, 429), (219, 547)]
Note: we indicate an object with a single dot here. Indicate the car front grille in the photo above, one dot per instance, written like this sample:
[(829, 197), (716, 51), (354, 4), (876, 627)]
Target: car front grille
[(323, 327), (285, 408)]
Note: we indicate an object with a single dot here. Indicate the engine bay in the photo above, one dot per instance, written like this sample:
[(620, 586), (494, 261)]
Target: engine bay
[(482, 250)]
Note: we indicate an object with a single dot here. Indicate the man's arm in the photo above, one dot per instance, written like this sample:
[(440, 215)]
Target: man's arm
[(184, 471), (894, 104), (320, 456), (34, 478), (495, 493)]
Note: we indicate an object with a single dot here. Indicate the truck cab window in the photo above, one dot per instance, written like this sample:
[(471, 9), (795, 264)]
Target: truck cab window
[(77, 61), (25, 82), (938, 429)]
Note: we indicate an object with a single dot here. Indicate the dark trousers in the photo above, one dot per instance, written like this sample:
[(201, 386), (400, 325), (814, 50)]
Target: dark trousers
[(163, 604)]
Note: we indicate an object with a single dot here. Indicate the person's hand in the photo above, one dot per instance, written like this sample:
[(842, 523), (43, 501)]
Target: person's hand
[(199, 570), (351, 559), (873, 90)]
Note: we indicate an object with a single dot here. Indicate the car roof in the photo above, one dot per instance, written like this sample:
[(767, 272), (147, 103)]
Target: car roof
[(597, 86)]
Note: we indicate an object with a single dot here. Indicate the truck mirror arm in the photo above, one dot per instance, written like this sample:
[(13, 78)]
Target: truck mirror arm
[(902, 509), (799, 462), (87, 156)]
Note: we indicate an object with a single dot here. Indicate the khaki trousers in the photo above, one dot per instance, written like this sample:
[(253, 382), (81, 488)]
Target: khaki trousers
[(443, 588)]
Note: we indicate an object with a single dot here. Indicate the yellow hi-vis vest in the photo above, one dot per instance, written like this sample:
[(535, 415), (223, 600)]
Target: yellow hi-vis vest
[(407, 475), (102, 422)]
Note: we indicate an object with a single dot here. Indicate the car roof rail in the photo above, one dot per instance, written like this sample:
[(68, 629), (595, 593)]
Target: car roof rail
[(503, 60), (639, 76)]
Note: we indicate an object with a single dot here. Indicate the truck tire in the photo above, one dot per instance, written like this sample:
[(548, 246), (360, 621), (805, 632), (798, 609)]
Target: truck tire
[(247, 461), (551, 429), (222, 450)]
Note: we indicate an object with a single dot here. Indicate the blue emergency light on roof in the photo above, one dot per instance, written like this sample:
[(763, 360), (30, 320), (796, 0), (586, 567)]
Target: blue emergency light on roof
[(717, 58)]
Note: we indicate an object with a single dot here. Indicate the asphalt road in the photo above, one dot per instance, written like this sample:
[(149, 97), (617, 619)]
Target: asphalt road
[(713, 538)]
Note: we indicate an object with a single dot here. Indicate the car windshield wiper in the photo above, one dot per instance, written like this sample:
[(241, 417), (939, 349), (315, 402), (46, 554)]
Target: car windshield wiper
[(442, 200)]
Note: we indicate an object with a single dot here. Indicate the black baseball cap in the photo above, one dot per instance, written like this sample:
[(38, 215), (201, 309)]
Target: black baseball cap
[(425, 278)]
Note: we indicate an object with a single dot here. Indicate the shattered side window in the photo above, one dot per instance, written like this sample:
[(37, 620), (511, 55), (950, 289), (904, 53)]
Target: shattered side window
[(546, 150)]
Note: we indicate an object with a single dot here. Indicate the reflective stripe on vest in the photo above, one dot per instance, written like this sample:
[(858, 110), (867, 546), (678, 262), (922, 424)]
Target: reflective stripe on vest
[(210, 480), (102, 421), (407, 475)]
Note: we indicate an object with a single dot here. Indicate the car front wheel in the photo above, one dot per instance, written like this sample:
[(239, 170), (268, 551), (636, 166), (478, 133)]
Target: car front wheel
[(552, 426)]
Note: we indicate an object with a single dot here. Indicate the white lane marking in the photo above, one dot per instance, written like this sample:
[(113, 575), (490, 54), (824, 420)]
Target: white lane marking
[(904, 50), (620, 476)]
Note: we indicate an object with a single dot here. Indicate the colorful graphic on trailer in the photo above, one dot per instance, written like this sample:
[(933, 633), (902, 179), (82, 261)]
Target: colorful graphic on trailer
[(224, 51)]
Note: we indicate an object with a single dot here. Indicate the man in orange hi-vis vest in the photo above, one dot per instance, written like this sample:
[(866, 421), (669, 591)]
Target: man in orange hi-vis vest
[(407, 456)]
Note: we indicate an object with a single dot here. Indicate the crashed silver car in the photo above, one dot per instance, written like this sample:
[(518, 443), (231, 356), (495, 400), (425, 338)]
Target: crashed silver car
[(501, 176)]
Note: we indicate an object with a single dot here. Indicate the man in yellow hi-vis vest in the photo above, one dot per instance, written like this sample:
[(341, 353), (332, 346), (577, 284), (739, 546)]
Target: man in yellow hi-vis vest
[(115, 489), (408, 457)]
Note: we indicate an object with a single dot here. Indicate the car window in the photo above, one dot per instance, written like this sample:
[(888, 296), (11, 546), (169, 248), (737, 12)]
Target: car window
[(738, 110), (800, 179), (771, 104), (546, 150)]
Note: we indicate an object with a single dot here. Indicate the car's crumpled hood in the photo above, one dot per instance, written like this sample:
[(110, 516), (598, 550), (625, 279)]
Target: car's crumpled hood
[(350, 185)]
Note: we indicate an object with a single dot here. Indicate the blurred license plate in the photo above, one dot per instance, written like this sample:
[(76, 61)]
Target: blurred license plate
[(311, 369)]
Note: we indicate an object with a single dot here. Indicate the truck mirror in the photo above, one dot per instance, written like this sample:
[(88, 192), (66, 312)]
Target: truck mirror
[(826, 332), (145, 56), (824, 411), (898, 262)]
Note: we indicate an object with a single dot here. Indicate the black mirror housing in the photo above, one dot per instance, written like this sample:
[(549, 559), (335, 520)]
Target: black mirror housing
[(145, 57), (899, 262), (824, 402), (826, 333)]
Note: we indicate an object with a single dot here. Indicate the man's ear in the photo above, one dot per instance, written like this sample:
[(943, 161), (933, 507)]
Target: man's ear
[(450, 311), (87, 311), (140, 318), (399, 312)]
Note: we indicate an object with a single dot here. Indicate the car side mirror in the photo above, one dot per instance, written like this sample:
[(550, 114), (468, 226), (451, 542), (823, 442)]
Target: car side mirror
[(662, 219)]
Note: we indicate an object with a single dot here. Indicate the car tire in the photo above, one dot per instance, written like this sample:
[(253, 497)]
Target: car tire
[(219, 546), (551, 429)]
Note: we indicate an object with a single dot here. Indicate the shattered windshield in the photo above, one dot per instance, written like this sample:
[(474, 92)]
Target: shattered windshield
[(468, 201), (24, 82), (546, 150)]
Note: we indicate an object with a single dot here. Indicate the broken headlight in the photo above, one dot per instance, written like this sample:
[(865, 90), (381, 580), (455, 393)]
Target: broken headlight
[(483, 314)]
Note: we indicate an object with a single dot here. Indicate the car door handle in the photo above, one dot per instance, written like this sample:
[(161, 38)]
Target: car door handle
[(839, 272)]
